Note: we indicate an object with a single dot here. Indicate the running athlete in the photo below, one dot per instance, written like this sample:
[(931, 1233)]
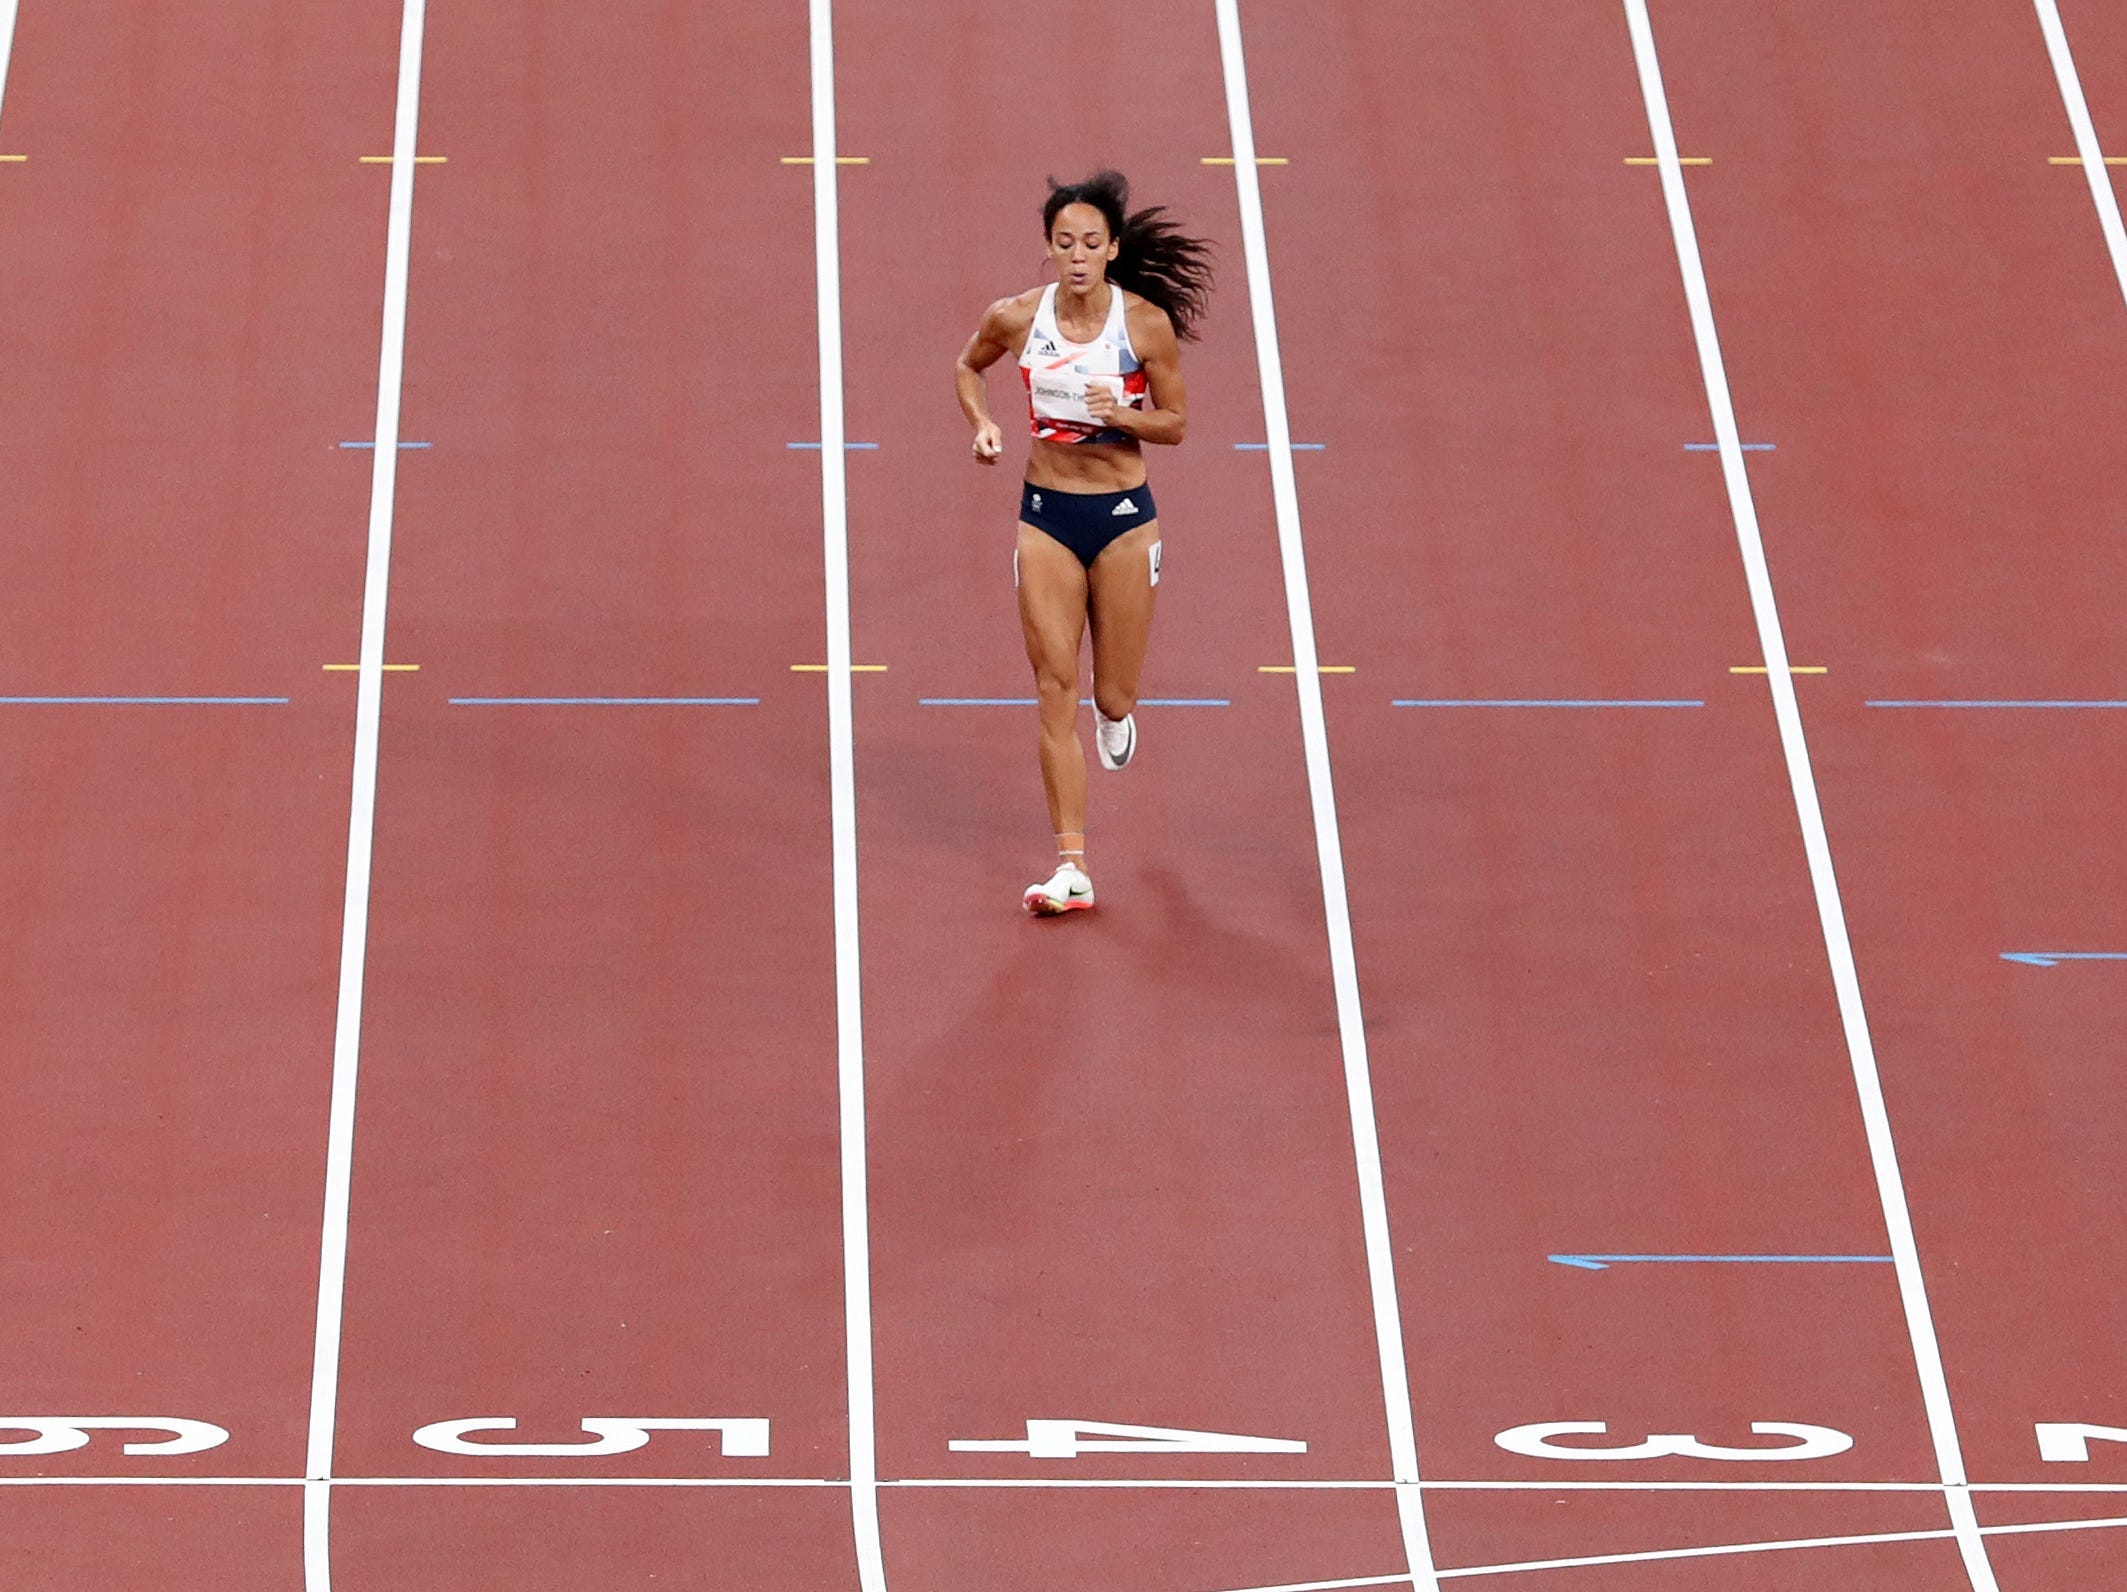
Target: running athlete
[(1099, 352)]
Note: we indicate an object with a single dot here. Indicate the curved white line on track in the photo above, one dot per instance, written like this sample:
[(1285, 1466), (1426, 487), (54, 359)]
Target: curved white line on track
[(1718, 1551), (1329, 846), (849, 1002), (361, 819), (1816, 843), (2095, 171)]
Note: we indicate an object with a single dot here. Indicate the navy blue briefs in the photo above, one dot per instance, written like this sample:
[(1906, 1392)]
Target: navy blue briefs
[(1086, 522)]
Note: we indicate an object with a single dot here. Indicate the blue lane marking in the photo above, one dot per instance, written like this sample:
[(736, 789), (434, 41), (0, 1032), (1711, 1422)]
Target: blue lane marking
[(605, 702), (2055, 958), (815, 445), (372, 444), (144, 701), (1604, 1262), (1715, 447), (1264, 447), (2075, 702), (1084, 702), (1547, 702)]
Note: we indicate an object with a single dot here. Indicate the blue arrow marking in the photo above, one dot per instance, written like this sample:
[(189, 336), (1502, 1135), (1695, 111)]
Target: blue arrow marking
[(2074, 702), (1264, 447), (1715, 447), (815, 445), (1604, 1262), (2055, 958)]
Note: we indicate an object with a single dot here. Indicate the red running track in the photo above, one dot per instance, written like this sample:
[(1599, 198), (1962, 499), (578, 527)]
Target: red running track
[(595, 1171), (189, 325), (1112, 1172)]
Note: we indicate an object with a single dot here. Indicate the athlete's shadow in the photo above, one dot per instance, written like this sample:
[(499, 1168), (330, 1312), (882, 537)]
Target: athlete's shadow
[(1261, 982)]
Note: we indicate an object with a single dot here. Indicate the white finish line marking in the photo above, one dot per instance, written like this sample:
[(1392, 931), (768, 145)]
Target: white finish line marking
[(361, 820), (979, 1483), (1831, 915)]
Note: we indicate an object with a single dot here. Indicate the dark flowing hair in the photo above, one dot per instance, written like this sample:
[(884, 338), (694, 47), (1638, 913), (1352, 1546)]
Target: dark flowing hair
[(1156, 259)]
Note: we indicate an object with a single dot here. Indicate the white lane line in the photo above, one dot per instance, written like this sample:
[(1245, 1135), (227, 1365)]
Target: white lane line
[(2089, 1489), (361, 819), (771, 1482), (1329, 847), (421, 1481), (849, 1000), (8, 9), (1831, 915), (2095, 170)]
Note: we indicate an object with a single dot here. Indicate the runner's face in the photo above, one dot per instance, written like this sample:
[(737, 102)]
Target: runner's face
[(1080, 246)]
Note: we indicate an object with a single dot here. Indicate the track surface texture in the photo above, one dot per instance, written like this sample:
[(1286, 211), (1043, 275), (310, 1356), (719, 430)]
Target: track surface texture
[(523, 1070)]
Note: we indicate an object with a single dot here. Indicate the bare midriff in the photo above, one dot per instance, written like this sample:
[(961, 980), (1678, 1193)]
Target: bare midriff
[(1086, 466)]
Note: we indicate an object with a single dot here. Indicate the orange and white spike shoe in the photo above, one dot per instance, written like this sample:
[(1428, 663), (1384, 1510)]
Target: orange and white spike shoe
[(1066, 890)]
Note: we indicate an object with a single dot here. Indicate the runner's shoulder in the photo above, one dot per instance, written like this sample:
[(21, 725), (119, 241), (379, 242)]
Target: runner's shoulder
[(1008, 319), (1147, 321)]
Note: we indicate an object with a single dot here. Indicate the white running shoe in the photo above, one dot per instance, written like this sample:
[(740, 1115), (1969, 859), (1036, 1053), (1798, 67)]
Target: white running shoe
[(1116, 738), (1066, 890)]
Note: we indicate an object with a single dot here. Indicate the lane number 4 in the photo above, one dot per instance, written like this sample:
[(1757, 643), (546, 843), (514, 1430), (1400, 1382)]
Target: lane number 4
[(1070, 1439)]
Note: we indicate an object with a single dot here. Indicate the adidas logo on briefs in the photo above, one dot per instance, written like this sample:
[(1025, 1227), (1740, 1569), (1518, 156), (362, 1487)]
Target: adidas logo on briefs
[(1037, 502), (1124, 507)]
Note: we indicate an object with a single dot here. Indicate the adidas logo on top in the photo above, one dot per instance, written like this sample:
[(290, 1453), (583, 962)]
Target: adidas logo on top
[(1047, 347), (1124, 507)]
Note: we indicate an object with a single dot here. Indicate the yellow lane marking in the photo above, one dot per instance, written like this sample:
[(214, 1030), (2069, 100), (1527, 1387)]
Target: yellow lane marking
[(14, 160), (1261, 160), (419, 160), (1323, 668), (840, 160), (1793, 668), (350, 668), (2077, 160), (1681, 160), (821, 668)]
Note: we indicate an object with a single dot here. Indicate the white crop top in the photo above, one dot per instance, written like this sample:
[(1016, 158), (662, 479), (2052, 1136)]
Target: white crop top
[(1058, 372)]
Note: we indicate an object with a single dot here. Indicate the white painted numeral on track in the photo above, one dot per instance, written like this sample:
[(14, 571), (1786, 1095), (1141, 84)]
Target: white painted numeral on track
[(59, 1434), (2069, 1441), (1069, 1439), (744, 1437), (1811, 1442)]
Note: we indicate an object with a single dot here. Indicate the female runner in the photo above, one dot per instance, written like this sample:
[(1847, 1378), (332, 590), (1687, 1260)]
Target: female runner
[(1099, 353)]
